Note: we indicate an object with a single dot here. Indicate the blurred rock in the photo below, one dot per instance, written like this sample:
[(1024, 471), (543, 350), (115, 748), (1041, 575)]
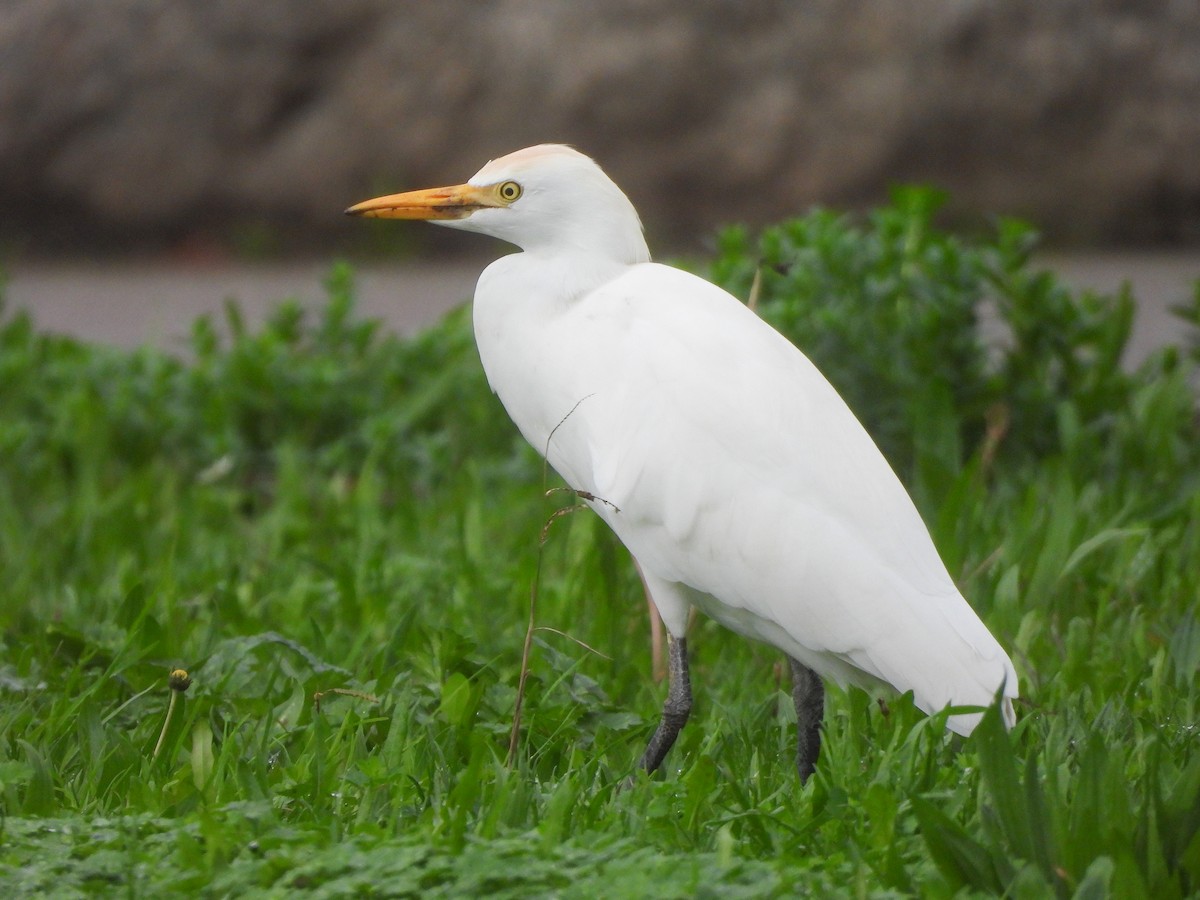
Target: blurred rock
[(136, 121)]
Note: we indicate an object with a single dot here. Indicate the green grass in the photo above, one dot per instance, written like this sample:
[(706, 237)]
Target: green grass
[(336, 532)]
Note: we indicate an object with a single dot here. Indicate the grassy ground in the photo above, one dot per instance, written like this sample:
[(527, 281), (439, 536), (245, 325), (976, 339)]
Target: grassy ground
[(336, 533)]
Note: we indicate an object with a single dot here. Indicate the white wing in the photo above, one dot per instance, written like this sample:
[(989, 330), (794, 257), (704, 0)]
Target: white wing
[(743, 482)]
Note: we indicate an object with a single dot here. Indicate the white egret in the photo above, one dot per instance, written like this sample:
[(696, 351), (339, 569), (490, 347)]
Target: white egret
[(737, 477)]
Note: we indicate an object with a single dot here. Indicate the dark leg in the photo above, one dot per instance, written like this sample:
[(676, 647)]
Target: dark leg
[(809, 696), (677, 708)]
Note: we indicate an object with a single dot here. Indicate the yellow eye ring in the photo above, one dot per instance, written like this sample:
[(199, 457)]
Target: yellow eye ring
[(509, 191)]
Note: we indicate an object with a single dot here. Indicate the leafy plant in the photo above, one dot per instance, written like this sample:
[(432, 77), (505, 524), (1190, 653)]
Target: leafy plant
[(945, 348)]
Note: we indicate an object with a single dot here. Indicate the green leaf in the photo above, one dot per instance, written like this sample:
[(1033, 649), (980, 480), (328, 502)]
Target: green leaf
[(1096, 881), (1094, 543), (959, 857), (1020, 808), (457, 704), (202, 754), (14, 772), (39, 799)]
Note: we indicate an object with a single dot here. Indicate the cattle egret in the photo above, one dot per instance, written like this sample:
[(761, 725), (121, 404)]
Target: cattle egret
[(737, 477)]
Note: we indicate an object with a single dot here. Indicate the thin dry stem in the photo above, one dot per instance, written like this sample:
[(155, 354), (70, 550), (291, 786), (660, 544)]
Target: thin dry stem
[(585, 495), (755, 289), (585, 646), (554, 517), (658, 651), (514, 737), (162, 735)]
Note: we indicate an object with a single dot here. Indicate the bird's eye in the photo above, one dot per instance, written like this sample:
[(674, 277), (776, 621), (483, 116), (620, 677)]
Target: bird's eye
[(509, 191)]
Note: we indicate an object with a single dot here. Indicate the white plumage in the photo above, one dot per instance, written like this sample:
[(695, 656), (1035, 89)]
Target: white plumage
[(718, 454)]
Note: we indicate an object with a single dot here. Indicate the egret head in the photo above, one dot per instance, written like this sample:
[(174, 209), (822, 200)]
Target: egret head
[(544, 198)]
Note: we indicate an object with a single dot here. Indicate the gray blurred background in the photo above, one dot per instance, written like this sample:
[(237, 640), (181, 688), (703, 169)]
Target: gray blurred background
[(191, 135)]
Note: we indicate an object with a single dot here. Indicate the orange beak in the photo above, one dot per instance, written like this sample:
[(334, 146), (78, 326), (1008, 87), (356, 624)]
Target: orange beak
[(454, 202)]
